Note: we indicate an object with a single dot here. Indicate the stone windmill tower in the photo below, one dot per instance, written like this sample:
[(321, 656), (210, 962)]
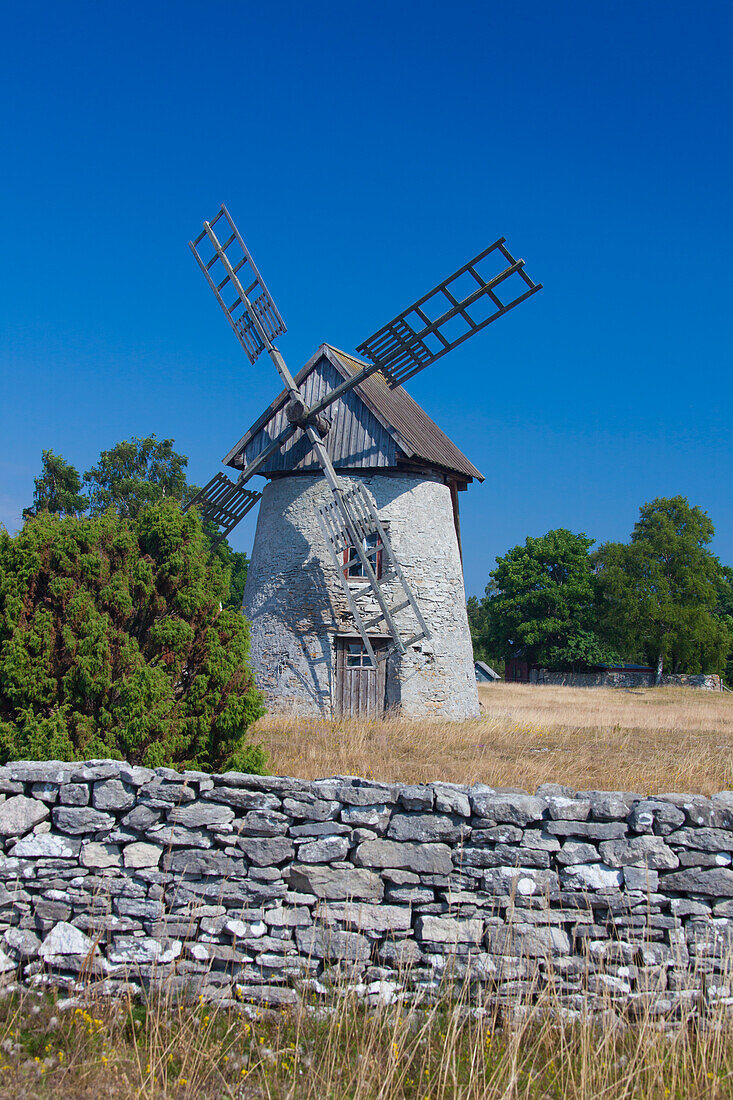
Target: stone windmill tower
[(355, 588)]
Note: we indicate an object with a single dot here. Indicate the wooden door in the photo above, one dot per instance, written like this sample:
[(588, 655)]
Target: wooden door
[(360, 689)]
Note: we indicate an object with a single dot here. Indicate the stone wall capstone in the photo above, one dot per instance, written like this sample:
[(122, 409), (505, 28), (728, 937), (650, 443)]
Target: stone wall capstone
[(240, 887)]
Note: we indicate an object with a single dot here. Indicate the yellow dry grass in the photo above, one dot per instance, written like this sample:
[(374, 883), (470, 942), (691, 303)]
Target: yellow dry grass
[(648, 740)]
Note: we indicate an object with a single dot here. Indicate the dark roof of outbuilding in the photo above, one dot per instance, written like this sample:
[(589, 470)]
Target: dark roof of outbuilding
[(417, 436)]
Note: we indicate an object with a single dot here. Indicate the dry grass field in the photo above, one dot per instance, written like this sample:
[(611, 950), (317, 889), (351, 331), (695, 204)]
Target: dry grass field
[(648, 740)]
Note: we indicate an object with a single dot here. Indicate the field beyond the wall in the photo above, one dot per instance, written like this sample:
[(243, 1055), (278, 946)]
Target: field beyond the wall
[(647, 740)]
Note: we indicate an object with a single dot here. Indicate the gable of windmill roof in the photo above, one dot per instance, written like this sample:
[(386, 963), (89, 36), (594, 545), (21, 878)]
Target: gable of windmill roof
[(408, 426)]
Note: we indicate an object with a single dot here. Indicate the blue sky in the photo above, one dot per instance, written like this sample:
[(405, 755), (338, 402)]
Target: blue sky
[(365, 151)]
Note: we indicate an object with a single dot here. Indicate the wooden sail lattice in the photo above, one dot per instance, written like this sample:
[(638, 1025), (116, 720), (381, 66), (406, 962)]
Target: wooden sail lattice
[(390, 588)]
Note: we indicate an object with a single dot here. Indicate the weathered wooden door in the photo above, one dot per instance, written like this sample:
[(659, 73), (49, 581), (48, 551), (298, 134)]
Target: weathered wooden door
[(360, 689)]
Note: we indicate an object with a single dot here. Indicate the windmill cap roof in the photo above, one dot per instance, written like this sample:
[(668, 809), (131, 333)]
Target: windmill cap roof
[(416, 435)]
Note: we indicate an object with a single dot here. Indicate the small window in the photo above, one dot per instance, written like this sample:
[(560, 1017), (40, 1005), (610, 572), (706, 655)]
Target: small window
[(357, 656), (372, 546)]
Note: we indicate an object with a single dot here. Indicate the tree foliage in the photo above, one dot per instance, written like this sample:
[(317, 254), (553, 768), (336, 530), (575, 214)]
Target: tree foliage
[(57, 489), (660, 592), (113, 644), (128, 477), (135, 473), (542, 602)]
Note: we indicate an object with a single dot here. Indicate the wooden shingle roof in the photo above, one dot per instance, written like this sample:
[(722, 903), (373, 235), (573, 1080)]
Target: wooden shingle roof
[(373, 425)]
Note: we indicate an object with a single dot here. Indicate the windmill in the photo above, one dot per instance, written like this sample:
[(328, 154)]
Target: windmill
[(379, 599)]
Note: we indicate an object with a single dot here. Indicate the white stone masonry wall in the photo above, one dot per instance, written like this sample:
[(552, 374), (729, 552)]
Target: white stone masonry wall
[(294, 599), (266, 888)]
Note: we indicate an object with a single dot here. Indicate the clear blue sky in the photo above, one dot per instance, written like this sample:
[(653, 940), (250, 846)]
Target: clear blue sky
[(366, 150)]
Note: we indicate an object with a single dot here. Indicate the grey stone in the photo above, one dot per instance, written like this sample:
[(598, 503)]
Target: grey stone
[(500, 855), (430, 858), (100, 855), (313, 829), (264, 851), (591, 876), (568, 809), (243, 799), (640, 878), (22, 943), (113, 794), (144, 908), (427, 828), (416, 797), (325, 850), (590, 830), (178, 836), (336, 885), (710, 883), (201, 815), (78, 820), (141, 950), (514, 809), (497, 834), (46, 846), (187, 862), (162, 796), (141, 817), (609, 805), (330, 943), (74, 794), (649, 851), (527, 941), (373, 817), (47, 792), (451, 799), (653, 815), (706, 839), (274, 995), (367, 794), (64, 939), (19, 814), (448, 930), (368, 918), (520, 882), (400, 953), (140, 854), (576, 851), (315, 810), (540, 840), (264, 823)]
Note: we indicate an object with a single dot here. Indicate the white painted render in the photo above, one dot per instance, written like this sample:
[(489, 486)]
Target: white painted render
[(296, 605)]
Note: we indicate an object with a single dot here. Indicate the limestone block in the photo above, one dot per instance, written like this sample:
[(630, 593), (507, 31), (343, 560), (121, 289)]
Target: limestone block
[(706, 839), (46, 846), (653, 815), (367, 918), (512, 809), (648, 851), (100, 855), (591, 876), (78, 820), (19, 814), (316, 810), (431, 858), (336, 885), (140, 854), (709, 883), (448, 930), (202, 862), (113, 794), (243, 799), (22, 943), (373, 817), (576, 851), (416, 797), (265, 851), (64, 940), (74, 794), (588, 830), (452, 799), (522, 882), (323, 942), (568, 809), (325, 850), (427, 828)]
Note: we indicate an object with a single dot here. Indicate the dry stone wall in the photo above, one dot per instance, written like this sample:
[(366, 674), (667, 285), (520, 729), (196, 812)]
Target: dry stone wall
[(265, 888)]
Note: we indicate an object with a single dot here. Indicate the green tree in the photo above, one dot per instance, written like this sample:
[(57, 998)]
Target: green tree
[(478, 624), (541, 602), (724, 611), (660, 592), (57, 489), (135, 473), (113, 643)]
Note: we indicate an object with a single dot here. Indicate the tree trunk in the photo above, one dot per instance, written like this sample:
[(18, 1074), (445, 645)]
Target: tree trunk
[(660, 667)]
